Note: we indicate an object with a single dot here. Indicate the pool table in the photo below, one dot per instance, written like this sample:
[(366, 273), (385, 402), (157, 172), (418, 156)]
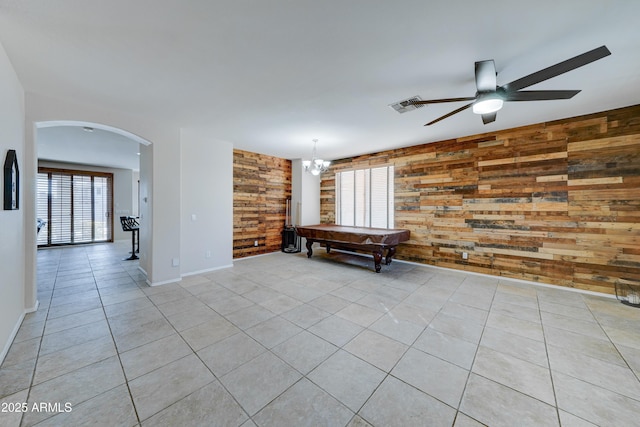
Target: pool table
[(374, 240)]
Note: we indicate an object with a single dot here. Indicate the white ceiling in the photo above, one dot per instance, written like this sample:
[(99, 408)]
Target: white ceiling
[(270, 76), (72, 144)]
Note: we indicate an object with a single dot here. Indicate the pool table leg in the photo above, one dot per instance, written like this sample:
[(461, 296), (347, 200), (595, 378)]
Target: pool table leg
[(377, 259), (309, 251), (390, 253)]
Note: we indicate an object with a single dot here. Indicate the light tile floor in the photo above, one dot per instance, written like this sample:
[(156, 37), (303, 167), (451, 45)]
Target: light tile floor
[(281, 340)]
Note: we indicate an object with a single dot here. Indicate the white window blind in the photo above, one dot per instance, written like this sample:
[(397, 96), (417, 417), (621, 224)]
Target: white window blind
[(346, 196), (60, 211), (82, 209), (364, 197)]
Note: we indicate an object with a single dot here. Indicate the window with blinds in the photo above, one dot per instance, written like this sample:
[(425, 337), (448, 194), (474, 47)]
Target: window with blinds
[(76, 205), (364, 197)]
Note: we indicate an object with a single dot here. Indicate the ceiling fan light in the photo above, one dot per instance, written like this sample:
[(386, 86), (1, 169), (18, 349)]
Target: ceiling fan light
[(487, 105)]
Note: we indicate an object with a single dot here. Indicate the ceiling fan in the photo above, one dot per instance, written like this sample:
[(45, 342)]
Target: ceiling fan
[(490, 97)]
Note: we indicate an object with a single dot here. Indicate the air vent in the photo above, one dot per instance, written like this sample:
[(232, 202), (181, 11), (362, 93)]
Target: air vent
[(406, 105)]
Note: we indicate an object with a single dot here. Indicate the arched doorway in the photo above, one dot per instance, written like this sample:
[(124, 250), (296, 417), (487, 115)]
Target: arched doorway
[(143, 179)]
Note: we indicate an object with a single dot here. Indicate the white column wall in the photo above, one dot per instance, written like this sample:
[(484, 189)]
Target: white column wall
[(310, 213), (135, 178), (145, 214), (305, 195), (206, 203), (296, 191)]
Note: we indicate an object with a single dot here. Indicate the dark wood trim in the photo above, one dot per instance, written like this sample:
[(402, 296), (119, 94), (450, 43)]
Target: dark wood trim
[(71, 172)]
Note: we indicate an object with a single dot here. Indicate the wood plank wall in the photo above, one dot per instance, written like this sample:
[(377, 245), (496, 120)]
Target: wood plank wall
[(261, 185), (557, 202)]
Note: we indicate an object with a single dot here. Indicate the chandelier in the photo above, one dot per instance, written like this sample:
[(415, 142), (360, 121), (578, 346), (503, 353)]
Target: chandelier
[(315, 166)]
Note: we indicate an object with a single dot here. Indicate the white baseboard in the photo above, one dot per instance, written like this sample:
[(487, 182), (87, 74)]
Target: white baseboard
[(34, 308), (256, 256), (12, 336), (208, 270), (502, 278), (165, 282), (191, 273), (511, 279)]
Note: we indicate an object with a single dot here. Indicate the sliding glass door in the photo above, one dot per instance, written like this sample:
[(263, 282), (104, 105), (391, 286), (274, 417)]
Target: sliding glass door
[(76, 205)]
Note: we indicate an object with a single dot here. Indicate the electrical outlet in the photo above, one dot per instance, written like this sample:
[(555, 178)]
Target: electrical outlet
[(175, 262), (255, 243), (207, 254), (465, 255)]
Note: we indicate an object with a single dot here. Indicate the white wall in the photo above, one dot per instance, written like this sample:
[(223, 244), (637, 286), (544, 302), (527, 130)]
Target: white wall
[(305, 195), (146, 217), (12, 223), (123, 191), (296, 190), (206, 203), (310, 213), (135, 184)]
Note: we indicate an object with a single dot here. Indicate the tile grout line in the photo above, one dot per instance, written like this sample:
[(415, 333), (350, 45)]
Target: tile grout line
[(195, 353), (475, 354), (44, 327), (604, 331), (115, 345), (546, 349)]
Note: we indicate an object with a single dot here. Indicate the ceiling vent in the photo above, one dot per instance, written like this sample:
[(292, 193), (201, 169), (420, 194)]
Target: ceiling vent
[(406, 105)]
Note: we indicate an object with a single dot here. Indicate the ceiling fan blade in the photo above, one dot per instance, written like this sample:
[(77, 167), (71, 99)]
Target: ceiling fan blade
[(450, 114), (440, 101), (556, 70), (488, 118), (486, 76), (540, 95)]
